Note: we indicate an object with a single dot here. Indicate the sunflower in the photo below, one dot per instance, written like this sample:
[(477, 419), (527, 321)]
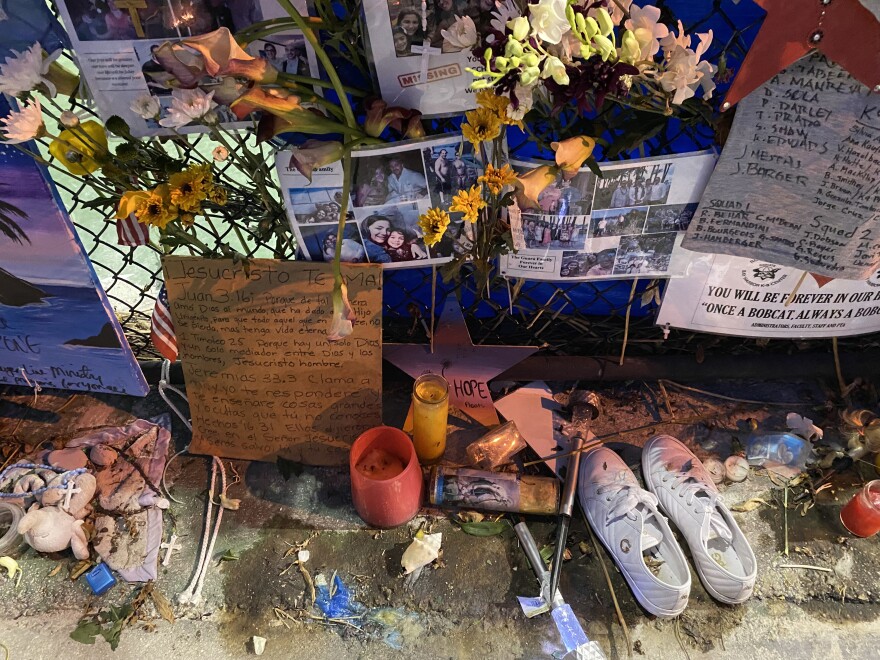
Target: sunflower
[(482, 124), (496, 178), (468, 202), (155, 209), (189, 188), (433, 224)]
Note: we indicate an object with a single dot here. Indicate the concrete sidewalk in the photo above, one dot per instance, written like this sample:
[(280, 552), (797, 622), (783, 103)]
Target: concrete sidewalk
[(466, 606)]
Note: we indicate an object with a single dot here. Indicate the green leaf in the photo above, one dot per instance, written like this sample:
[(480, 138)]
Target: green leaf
[(485, 528), (230, 555), (546, 553), (113, 633), (85, 632)]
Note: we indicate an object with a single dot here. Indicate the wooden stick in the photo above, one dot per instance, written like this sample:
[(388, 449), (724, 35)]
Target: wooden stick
[(797, 286)]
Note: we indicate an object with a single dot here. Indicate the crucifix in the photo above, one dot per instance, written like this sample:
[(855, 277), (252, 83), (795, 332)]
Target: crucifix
[(70, 490), (169, 547), (132, 6), (425, 50)]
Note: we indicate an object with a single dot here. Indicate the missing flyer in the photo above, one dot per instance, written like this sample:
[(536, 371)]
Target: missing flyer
[(414, 66), (391, 187), (629, 223), (115, 43)]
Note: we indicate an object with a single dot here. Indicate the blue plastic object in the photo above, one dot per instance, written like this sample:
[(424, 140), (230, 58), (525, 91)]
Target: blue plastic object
[(100, 579), (340, 604)]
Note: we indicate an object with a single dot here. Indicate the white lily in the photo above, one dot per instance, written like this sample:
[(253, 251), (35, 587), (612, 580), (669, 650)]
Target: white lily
[(187, 106), (24, 124), (24, 72), (462, 34)]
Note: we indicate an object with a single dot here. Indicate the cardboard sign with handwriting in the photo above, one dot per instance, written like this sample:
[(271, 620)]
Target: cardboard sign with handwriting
[(798, 183), (261, 377)]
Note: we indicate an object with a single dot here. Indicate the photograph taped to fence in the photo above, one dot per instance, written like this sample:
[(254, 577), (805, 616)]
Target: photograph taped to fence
[(415, 67), (116, 44), (628, 223), (391, 187)]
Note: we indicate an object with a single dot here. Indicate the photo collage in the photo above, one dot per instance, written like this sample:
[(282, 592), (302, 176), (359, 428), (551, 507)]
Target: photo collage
[(417, 23), (126, 36), (627, 223), (391, 187)]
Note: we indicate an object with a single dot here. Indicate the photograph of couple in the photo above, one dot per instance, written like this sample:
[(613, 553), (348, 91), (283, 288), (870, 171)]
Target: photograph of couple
[(449, 172), (389, 179), (648, 184), (391, 234)]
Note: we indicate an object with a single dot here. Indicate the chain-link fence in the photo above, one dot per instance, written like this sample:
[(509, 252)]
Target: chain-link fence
[(588, 318)]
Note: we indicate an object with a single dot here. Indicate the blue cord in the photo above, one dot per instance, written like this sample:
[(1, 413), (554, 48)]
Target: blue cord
[(68, 475)]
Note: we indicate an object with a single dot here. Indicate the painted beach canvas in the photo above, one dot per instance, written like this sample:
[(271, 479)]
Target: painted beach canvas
[(57, 327)]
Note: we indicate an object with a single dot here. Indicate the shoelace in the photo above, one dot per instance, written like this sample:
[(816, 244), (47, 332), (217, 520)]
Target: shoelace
[(625, 497), (689, 485)]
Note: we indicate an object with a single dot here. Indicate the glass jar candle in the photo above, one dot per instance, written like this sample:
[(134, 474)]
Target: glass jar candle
[(430, 412), (861, 516)]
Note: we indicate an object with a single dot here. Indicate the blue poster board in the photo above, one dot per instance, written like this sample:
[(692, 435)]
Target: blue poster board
[(57, 327)]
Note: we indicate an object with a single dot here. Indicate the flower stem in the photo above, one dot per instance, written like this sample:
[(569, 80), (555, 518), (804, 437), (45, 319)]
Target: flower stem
[(343, 213)]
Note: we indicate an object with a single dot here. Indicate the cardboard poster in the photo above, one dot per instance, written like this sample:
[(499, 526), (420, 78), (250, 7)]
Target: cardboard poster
[(57, 327), (747, 297), (798, 183), (261, 377), (114, 40), (629, 223), (391, 187), (415, 68)]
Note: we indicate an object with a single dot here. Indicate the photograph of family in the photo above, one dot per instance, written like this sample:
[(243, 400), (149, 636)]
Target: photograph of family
[(391, 234), (546, 232), (648, 184), (617, 222), (415, 23), (389, 179), (448, 171), (644, 254), (588, 264), (319, 243), (127, 20), (676, 217)]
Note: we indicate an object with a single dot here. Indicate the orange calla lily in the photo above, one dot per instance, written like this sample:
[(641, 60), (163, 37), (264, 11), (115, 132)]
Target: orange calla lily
[(285, 106), (532, 183), (571, 153), (217, 49)]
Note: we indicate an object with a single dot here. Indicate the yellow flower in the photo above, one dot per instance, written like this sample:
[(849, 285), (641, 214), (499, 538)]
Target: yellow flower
[(468, 202), (482, 125), (187, 219), (130, 201), (80, 149), (218, 195), (496, 179), (156, 209), (189, 188), (433, 224), (488, 99)]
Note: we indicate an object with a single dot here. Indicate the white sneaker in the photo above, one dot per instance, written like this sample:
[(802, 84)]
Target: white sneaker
[(626, 520), (722, 555)]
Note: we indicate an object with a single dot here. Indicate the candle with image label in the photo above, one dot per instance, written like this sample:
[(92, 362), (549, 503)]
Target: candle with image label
[(430, 411)]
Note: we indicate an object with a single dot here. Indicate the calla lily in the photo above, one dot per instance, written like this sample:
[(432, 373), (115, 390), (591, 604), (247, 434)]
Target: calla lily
[(343, 315), (532, 183), (187, 67), (314, 154), (409, 123), (80, 149), (380, 116), (217, 48), (284, 105), (571, 153)]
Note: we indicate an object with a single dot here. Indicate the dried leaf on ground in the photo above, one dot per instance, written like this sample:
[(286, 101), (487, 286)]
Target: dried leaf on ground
[(750, 505), (163, 606)]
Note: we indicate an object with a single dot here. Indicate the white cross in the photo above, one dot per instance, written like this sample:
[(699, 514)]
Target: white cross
[(70, 490), (170, 547), (426, 50)]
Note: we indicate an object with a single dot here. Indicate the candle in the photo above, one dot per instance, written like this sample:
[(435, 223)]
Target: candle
[(861, 516), (379, 464), (430, 412)]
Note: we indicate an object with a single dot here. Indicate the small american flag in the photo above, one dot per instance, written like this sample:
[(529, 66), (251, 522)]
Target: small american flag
[(162, 328), (131, 232)]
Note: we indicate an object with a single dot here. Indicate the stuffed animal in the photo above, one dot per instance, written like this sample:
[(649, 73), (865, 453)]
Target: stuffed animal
[(50, 529)]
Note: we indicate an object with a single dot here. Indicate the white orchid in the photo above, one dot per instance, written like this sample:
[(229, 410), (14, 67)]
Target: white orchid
[(549, 21), (616, 9), (520, 27), (684, 72), (505, 11), (146, 106), (24, 72), (462, 34), (188, 105), (24, 124), (648, 32), (553, 67)]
